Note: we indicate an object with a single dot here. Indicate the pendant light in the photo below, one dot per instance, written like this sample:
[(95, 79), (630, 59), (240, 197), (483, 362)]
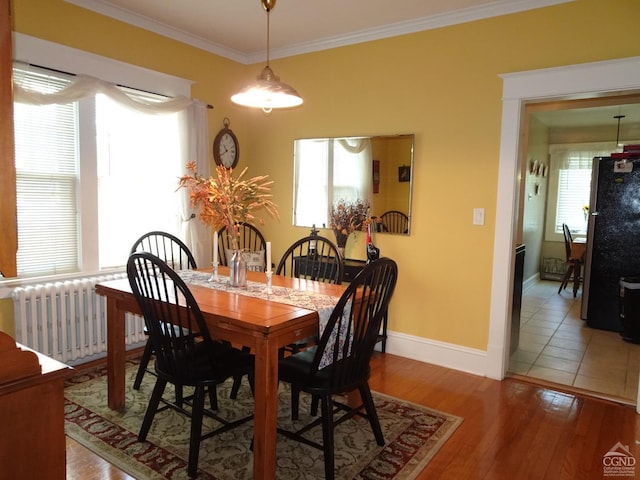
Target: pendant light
[(267, 92)]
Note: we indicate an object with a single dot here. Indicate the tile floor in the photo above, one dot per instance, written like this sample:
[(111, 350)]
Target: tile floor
[(557, 346)]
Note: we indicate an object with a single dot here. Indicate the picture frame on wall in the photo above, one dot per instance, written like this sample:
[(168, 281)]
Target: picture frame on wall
[(404, 173)]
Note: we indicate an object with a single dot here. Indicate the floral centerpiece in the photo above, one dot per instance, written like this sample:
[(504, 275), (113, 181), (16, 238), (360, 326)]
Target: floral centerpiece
[(226, 201), (346, 217)]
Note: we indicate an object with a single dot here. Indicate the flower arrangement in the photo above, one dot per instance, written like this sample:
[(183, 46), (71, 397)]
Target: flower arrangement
[(348, 216), (226, 201)]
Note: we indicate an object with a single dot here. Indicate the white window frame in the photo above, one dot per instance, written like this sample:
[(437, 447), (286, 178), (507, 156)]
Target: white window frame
[(58, 57)]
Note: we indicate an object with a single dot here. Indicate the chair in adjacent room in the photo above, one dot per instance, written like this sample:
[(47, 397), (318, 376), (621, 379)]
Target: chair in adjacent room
[(339, 363), (394, 221), (177, 255), (251, 241), (311, 258), (574, 265), (185, 356)]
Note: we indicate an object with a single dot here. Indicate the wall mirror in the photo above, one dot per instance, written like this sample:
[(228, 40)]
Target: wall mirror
[(374, 169)]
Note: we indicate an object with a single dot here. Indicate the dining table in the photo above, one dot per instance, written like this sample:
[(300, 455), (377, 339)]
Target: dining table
[(265, 323)]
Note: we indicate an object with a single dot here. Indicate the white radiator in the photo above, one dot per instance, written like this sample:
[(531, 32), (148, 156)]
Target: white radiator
[(67, 320)]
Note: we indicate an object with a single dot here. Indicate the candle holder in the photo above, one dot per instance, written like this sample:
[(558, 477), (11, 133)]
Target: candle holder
[(214, 273), (269, 274)]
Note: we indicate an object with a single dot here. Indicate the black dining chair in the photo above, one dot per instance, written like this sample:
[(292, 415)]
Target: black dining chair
[(394, 221), (251, 240), (175, 253), (311, 258), (346, 344), (186, 356)]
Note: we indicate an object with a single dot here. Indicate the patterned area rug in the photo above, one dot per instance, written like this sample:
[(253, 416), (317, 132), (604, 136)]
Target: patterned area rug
[(413, 435)]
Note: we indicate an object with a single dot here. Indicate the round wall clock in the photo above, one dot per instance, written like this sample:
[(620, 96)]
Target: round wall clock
[(226, 150)]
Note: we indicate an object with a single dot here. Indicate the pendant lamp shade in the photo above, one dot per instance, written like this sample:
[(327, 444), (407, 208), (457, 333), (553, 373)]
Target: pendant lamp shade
[(267, 91)]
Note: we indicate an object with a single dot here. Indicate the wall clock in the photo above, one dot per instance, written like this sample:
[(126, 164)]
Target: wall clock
[(226, 150)]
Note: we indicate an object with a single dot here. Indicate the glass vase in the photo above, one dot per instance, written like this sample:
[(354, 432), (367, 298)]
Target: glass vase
[(238, 269)]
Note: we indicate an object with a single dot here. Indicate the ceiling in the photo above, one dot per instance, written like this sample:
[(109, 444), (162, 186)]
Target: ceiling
[(237, 29)]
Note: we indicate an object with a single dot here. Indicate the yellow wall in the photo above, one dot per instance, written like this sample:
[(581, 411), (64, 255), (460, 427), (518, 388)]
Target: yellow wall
[(443, 85)]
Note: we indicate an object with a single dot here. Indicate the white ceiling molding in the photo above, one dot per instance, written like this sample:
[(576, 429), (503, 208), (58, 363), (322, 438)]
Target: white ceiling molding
[(494, 9)]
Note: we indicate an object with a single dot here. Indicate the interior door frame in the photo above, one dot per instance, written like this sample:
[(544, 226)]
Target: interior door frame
[(588, 80)]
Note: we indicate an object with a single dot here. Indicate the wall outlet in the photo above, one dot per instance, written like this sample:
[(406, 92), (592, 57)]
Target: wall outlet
[(478, 216)]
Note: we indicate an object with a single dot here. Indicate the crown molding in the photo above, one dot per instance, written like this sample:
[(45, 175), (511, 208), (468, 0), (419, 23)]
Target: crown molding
[(495, 9)]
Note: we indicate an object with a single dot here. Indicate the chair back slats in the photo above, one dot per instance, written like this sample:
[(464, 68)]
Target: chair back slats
[(167, 247), (250, 240), (171, 314), (312, 258), (567, 240), (394, 221), (352, 330)]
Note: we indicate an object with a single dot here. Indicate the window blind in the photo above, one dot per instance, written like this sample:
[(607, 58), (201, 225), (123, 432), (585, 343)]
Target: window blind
[(46, 178)]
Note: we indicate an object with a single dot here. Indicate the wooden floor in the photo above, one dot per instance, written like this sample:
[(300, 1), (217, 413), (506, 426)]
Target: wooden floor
[(511, 429)]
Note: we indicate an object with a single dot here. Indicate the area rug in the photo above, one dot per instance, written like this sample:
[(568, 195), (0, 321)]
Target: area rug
[(413, 435)]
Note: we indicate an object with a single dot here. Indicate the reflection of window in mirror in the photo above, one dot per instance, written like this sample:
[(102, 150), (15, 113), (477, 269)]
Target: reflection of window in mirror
[(330, 169)]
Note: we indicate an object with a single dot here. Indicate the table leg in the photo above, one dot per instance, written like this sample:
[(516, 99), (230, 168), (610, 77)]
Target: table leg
[(265, 410), (115, 355)]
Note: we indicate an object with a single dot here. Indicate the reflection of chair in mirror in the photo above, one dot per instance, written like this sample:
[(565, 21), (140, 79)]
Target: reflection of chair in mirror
[(177, 255), (186, 356), (394, 221), (339, 364), (251, 241), (574, 265)]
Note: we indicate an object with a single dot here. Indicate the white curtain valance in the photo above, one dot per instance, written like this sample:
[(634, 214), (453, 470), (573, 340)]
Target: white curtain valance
[(84, 86)]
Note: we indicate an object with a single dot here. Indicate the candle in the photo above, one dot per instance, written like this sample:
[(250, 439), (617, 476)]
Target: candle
[(215, 249), (268, 257)]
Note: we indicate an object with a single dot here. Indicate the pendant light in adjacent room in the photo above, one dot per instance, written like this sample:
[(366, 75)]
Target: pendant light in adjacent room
[(267, 92)]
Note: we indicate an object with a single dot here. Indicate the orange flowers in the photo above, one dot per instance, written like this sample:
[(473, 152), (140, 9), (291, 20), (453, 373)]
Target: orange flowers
[(225, 201)]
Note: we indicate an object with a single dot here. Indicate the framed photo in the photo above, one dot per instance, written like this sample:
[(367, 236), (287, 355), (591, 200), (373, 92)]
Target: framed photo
[(404, 174)]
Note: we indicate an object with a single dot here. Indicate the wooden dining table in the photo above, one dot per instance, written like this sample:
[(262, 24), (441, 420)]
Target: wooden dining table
[(265, 325)]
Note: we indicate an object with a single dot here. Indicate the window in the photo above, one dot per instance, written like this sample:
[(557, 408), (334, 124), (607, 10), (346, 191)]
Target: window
[(91, 177), (570, 186)]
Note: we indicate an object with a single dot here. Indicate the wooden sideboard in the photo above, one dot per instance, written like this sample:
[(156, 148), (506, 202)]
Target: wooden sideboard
[(32, 443)]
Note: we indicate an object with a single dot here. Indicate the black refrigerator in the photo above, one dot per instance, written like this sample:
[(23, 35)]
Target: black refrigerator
[(613, 239)]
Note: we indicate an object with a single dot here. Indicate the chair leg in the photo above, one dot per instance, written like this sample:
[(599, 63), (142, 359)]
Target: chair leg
[(213, 397), (367, 399), (237, 380), (295, 402), (565, 279), (196, 431), (152, 408), (144, 363), (314, 405), (327, 436)]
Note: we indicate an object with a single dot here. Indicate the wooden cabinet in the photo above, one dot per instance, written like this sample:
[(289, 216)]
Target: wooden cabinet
[(32, 442)]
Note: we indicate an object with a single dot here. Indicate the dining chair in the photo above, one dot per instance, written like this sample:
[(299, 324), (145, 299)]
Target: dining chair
[(175, 253), (311, 258), (394, 221), (574, 265), (251, 241), (346, 346), (186, 356)]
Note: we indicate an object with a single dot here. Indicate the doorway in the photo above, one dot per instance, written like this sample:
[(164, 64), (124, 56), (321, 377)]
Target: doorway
[(599, 79)]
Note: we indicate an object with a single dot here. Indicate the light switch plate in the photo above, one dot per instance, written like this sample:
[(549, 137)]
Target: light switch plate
[(478, 216)]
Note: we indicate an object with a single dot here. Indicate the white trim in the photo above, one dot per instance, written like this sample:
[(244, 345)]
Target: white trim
[(574, 81), (437, 353), (494, 9), (47, 54)]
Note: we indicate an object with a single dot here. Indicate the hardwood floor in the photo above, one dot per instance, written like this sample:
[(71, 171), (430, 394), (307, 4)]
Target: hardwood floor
[(511, 429)]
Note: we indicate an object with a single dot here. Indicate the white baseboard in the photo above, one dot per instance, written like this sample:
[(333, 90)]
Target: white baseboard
[(443, 354)]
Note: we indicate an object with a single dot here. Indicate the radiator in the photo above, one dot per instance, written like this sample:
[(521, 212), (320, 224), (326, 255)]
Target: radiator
[(67, 320)]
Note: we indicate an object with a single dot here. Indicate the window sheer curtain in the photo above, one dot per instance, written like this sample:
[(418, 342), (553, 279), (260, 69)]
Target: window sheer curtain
[(193, 126), (353, 169)]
